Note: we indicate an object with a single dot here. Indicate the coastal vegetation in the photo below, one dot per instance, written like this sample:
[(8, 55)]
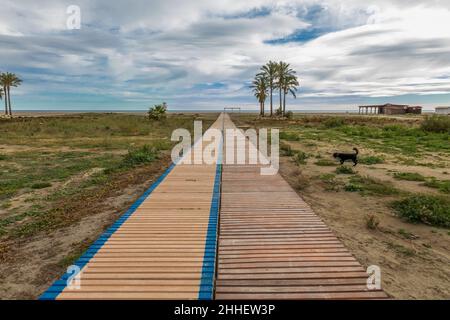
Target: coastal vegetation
[(158, 112), (390, 145), (391, 209), (55, 170)]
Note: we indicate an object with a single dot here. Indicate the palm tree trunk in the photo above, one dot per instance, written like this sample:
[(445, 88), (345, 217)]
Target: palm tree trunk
[(9, 102), (281, 106), (284, 103), (5, 92), (263, 110), (6, 100), (271, 102)]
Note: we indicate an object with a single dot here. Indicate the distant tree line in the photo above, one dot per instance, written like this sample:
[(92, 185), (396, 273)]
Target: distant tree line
[(275, 76), (8, 80)]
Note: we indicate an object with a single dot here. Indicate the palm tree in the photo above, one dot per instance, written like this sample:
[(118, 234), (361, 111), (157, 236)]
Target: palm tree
[(3, 90), (290, 85), (9, 80), (269, 72), (283, 72), (259, 86), (1, 95)]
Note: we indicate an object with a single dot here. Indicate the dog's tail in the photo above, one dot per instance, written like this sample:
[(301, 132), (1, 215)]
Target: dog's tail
[(356, 150)]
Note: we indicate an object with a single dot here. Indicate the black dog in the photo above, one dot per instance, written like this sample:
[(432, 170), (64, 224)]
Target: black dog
[(347, 156)]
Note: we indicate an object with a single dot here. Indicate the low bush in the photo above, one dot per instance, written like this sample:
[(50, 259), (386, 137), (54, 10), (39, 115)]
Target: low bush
[(289, 115), (157, 112), (286, 150), (407, 235), (289, 136), (409, 176), (439, 124), (372, 221), (325, 163), (41, 185), (369, 160), (345, 170), (352, 187), (428, 209), (301, 183), (300, 157), (441, 185), (373, 186), (278, 112), (330, 182), (139, 156), (333, 122)]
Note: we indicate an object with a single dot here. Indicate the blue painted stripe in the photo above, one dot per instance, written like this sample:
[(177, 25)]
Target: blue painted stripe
[(59, 285), (207, 280)]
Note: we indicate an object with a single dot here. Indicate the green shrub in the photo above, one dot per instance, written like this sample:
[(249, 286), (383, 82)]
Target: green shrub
[(289, 136), (396, 129), (325, 163), (428, 209), (157, 112), (439, 124), (407, 235), (278, 112), (409, 176), (286, 150), (327, 177), (301, 183), (41, 185), (333, 122), (300, 157), (139, 156), (162, 145), (345, 170), (331, 183), (369, 160), (372, 221), (289, 115), (374, 186), (401, 249), (2, 157), (441, 185), (352, 187)]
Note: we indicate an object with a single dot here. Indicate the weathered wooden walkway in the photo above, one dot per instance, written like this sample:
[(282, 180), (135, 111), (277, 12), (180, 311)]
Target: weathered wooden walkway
[(273, 246), (164, 247)]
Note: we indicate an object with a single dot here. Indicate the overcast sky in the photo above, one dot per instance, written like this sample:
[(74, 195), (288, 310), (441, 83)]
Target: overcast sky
[(203, 54)]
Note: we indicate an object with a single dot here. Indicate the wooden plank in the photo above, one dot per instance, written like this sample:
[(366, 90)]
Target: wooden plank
[(308, 295), (126, 295), (273, 246), (292, 289), (161, 250)]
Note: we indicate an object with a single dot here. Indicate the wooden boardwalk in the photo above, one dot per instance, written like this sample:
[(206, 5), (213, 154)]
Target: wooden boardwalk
[(164, 247), (273, 246)]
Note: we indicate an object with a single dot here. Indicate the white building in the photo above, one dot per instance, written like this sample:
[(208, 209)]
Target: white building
[(443, 110)]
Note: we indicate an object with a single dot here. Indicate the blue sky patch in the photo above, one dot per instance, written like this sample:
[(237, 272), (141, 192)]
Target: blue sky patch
[(299, 36)]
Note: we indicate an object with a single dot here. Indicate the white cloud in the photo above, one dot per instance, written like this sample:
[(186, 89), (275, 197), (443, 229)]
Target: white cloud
[(148, 50)]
